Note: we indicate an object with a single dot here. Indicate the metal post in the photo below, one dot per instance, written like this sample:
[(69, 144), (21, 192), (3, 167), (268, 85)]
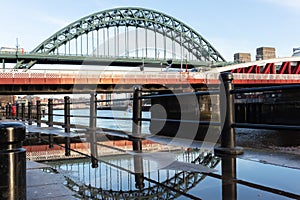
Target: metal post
[(29, 113), (115, 42), (6, 111), (17, 111), (155, 44), (103, 42), (136, 119), (107, 30), (50, 113), (13, 161), (67, 112), (50, 120), (165, 46), (98, 47), (227, 114), (229, 185), (81, 53), (87, 44), (118, 39), (136, 43), (138, 172), (92, 130), (23, 112), (38, 113), (10, 111), (146, 43), (76, 45)]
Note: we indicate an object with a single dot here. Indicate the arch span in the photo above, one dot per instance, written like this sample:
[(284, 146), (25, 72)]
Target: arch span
[(165, 25)]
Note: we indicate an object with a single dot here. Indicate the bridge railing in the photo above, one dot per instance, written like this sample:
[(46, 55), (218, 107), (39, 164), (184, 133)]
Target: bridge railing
[(248, 76), (227, 113), (81, 72), (136, 136)]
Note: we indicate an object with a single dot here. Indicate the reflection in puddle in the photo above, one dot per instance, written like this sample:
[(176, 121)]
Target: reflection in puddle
[(130, 176), (127, 176)]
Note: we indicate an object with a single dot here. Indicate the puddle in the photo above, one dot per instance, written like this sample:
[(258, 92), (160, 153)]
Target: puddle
[(231, 178)]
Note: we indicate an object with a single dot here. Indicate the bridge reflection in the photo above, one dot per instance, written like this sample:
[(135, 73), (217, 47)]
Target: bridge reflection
[(129, 177), (126, 176)]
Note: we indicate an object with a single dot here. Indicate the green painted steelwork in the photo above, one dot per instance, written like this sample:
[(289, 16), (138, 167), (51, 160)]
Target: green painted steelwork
[(27, 60), (147, 19)]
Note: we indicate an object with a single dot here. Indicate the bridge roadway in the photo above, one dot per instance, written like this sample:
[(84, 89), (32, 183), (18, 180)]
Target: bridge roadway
[(28, 60), (37, 58)]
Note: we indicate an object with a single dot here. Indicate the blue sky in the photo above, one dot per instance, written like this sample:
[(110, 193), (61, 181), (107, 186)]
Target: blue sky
[(230, 26)]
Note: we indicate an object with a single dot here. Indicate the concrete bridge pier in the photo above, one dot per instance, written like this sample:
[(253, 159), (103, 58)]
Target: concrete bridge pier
[(178, 115)]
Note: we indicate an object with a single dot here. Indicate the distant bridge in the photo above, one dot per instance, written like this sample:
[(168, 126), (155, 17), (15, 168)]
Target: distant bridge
[(121, 36)]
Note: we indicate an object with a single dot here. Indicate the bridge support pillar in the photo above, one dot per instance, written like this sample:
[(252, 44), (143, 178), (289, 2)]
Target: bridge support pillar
[(227, 115), (175, 115)]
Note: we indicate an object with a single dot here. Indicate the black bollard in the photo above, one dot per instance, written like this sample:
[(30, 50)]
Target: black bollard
[(12, 161)]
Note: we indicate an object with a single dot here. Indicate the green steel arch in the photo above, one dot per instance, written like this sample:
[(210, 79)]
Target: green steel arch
[(136, 17)]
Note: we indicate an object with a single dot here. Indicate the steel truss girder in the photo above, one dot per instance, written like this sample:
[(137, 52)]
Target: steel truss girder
[(136, 17)]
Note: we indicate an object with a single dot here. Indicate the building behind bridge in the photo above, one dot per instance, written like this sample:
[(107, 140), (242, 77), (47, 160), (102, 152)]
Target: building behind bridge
[(242, 57), (262, 53)]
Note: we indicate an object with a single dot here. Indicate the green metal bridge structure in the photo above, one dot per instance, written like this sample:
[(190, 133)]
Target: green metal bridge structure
[(121, 37)]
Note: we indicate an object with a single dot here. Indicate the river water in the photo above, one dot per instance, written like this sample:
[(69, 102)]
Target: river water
[(82, 118)]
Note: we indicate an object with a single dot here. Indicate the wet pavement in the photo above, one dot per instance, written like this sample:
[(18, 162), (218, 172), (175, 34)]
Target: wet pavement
[(44, 185)]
